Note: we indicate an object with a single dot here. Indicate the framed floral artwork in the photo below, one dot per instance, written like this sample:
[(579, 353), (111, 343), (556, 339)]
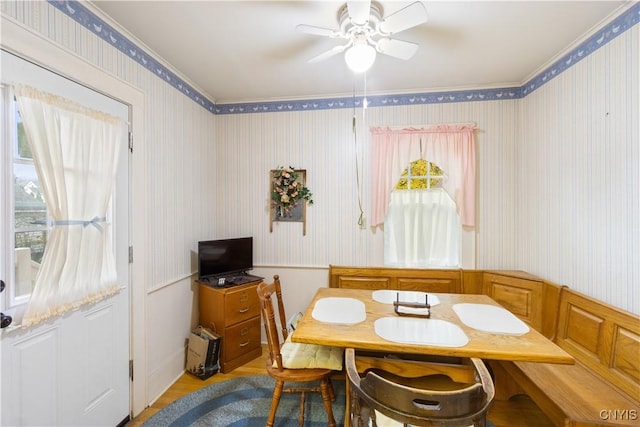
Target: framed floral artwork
[(289, 196)]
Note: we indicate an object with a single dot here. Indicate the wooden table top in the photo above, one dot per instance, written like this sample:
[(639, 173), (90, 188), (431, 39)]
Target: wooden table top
[(531, 346)]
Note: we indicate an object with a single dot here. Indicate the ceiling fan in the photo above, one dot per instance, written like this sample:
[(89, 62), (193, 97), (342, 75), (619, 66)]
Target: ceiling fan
[(361, 23)]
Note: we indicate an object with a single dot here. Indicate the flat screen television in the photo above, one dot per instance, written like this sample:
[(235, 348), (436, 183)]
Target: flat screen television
[(226, 257)]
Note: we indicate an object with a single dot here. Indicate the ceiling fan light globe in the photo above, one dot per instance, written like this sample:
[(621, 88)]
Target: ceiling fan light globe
[(360, 58)]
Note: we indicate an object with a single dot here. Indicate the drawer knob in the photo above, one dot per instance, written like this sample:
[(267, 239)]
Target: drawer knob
[(243, 310)]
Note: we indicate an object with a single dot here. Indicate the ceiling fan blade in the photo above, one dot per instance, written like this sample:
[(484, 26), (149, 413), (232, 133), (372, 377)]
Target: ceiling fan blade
[(316, 31), (359, 11), (328, 54), (397, 48), (403, 19)]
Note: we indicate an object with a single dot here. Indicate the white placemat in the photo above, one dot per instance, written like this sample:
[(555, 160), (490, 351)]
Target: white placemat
[(343, 311), (490, 318), (407, 330), (387, 296)]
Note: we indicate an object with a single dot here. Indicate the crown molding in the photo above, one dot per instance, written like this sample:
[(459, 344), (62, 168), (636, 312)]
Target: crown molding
[(81, 14)]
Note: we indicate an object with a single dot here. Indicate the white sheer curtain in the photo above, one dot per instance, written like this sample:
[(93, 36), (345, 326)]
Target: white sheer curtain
[(75, 151), (422, 229)]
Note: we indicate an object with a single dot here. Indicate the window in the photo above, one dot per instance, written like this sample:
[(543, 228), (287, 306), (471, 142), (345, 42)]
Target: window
[(29, 211), (27, 227), (403, 213), (77, 144), (420, 175), (422, 227)]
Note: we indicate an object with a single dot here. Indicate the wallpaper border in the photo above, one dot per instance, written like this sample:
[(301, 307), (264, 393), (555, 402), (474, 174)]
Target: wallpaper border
[(78, 12), (83, 16), (610, 31)]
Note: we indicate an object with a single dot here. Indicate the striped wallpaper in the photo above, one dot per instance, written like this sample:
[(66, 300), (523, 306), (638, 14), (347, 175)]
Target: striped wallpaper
[(577, 200), (557, 168), (180, 136)]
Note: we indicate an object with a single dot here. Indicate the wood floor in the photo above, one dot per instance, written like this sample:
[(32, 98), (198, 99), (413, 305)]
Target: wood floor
[(520, 411)]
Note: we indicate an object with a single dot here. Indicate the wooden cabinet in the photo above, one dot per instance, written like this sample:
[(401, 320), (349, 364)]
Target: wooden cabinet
[(233, 313)]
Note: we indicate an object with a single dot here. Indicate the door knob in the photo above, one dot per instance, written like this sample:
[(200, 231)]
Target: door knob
[(4, 320)]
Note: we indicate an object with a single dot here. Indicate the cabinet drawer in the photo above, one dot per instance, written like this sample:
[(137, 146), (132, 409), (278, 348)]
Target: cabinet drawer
[(241, 304), (241, 338)]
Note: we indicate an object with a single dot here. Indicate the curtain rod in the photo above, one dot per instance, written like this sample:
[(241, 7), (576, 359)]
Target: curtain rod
[(400, 127)]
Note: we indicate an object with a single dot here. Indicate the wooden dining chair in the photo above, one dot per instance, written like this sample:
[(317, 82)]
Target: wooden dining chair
[(388, 387), (295, 362)]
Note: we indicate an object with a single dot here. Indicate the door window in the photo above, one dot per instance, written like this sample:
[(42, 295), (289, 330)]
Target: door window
[(29, 211)]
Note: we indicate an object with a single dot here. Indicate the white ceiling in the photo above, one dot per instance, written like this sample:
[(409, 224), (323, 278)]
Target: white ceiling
[(244, 51)]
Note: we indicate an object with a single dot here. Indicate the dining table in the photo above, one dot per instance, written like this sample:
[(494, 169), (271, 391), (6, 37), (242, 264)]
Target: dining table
[(421, 323), (460, 325)]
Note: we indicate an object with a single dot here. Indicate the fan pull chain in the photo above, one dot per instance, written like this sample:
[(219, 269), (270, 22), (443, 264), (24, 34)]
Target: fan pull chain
[(361, 221)]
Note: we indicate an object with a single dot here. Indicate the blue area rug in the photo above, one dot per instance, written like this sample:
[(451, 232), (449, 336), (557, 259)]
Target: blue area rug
[(245, 402)]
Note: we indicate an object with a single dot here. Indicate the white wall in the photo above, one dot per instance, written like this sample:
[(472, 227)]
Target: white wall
[(577, 204), (322, 142), (186, 199), (557, 169)]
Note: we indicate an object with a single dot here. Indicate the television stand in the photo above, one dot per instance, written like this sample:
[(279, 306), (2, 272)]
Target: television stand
[(233, 312)]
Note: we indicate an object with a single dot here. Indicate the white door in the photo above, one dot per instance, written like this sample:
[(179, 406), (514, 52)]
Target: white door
[(73, 370)]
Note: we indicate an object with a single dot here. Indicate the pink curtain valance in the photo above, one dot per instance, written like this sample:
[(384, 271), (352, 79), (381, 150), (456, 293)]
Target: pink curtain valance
[(450, 146)]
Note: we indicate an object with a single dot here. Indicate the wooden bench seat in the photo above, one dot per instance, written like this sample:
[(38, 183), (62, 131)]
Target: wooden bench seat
[(573, 393), (603, 387)]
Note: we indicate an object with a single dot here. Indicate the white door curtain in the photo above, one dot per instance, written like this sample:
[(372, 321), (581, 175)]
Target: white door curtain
[(75, 152)]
